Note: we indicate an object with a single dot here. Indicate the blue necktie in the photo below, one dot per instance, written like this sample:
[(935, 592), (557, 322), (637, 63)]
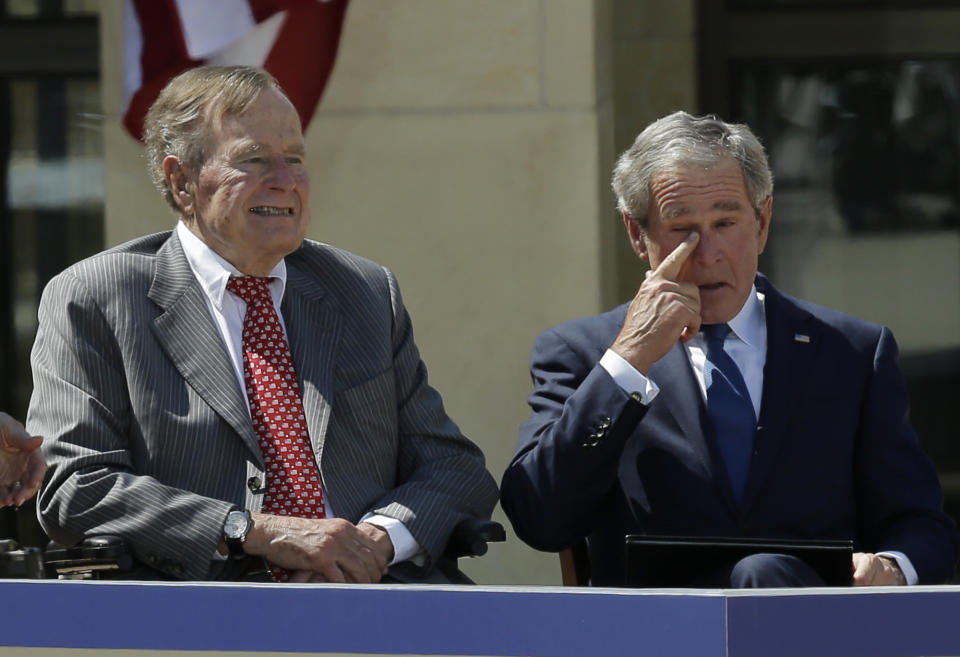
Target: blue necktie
[(729, 407)]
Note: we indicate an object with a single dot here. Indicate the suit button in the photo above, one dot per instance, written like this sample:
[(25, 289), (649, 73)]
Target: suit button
[(254, 484), (593, 440)]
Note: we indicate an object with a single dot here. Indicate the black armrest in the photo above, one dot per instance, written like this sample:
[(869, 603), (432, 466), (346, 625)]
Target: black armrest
[(94, 557), (470, 538), (20, 563)]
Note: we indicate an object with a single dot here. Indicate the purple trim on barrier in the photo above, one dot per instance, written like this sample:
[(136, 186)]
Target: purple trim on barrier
[(862, 624), (508, 622), (371, 619)]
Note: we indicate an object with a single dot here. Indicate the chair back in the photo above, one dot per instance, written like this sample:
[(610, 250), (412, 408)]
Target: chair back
[(575, 564)]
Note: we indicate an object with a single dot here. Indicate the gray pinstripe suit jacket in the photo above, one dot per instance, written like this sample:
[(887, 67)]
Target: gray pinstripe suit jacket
[(147, 433)]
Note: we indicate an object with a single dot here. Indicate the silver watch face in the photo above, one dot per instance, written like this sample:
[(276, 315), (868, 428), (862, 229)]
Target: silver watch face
[(236, 524)]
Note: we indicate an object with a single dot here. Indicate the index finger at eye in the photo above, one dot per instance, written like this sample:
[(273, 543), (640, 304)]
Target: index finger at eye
[(672, 265)]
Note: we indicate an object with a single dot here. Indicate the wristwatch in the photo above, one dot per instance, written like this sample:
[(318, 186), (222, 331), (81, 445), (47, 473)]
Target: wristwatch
[(235, 529)]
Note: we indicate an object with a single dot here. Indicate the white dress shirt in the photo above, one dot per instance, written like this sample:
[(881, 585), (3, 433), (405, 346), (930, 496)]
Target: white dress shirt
[(228, 311), (746, 344)]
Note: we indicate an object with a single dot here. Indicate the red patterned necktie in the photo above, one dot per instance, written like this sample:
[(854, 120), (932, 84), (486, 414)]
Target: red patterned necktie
[(293, 479)]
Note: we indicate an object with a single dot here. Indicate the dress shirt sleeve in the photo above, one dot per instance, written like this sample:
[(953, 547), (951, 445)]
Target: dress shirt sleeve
[(628, 378), (909, 572), (405, 546)]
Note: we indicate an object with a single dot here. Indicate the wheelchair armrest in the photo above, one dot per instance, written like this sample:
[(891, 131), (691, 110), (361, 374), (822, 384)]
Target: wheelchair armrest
[(470, 538), (20, 563), (99, 555)]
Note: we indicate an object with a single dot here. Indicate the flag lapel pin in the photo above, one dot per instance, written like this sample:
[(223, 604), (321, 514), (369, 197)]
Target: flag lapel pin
[(800, 337)]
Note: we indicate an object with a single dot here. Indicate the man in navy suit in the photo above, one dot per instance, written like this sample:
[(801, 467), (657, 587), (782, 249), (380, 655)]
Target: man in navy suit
[(626, 434)]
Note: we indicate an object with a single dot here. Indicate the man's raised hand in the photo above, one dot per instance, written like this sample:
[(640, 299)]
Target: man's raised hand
[(664, 310)]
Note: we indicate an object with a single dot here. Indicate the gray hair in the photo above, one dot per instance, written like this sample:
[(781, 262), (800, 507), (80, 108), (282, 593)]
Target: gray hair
[(681, 140), (179, 121)]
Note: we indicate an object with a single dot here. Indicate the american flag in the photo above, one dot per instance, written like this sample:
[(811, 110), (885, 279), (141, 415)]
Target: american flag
[(295, 40)]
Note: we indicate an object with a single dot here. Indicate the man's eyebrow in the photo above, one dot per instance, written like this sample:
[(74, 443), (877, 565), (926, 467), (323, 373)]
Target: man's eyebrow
[(728, 205), (675, 213), (247, 148), (254, 148)]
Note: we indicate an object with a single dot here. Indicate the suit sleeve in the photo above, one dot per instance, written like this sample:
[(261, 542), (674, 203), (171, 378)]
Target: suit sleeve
[(441, 475), (565, 467), (82, 408), (899, 496)]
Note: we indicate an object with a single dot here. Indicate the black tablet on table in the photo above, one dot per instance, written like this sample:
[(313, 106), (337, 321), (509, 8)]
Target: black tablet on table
[(682, 561)]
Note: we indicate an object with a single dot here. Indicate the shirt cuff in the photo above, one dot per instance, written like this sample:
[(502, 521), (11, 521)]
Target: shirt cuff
[(628, 378), (909, 572), (405, 546)]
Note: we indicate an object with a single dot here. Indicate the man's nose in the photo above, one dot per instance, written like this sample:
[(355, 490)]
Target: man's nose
[(708, 248), (282, 175)]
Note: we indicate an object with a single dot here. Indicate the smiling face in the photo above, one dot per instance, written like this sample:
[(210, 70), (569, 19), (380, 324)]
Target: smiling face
[(714, 203), (250, 199)]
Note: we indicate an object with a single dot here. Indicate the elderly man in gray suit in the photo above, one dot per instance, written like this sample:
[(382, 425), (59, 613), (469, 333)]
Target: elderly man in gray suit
[(231, 389)]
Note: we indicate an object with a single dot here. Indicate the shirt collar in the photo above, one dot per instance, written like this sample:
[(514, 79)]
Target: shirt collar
[(749, 324), (213, 272)]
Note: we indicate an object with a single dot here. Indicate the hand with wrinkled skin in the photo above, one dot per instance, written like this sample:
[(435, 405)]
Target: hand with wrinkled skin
[(872, 570), (320, 550), (21, 463), (377, 534), (664, 310)]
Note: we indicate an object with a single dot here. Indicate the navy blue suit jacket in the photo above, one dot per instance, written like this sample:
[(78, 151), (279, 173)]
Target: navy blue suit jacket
[(835, 456)]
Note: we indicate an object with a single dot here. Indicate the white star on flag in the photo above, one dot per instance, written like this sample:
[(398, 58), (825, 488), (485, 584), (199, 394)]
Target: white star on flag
[(295, 40)]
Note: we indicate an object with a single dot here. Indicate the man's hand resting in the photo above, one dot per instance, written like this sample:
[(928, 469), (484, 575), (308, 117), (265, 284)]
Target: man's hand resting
[(321, 550), (871, 570)]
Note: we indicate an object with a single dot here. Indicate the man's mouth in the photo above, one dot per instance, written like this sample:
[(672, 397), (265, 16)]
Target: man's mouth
[(710, 287), (271, 211)]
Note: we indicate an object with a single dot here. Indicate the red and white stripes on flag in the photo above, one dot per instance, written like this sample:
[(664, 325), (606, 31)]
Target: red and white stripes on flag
[(295, 40)]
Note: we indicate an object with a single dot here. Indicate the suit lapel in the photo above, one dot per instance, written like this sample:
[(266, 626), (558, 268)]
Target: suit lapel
[(313, 329), (793, 339), (680, 398), (187, 334)]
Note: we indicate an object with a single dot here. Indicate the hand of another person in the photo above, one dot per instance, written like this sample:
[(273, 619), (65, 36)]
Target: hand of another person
[(872, 570), (663, 311), (21, 463), (319, 550)]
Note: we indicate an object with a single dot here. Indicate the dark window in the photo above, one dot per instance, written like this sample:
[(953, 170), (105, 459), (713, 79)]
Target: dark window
[(51, 179)]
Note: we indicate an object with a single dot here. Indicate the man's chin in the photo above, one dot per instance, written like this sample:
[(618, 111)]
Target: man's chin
[(717, 313)]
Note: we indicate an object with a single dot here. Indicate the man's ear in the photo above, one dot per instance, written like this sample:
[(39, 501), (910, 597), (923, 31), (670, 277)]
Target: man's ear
[(176, 175), (766, 214), (635, 234)]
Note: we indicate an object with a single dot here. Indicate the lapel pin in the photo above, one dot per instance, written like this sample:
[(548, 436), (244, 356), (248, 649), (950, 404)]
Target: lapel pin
[(800, 337)]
